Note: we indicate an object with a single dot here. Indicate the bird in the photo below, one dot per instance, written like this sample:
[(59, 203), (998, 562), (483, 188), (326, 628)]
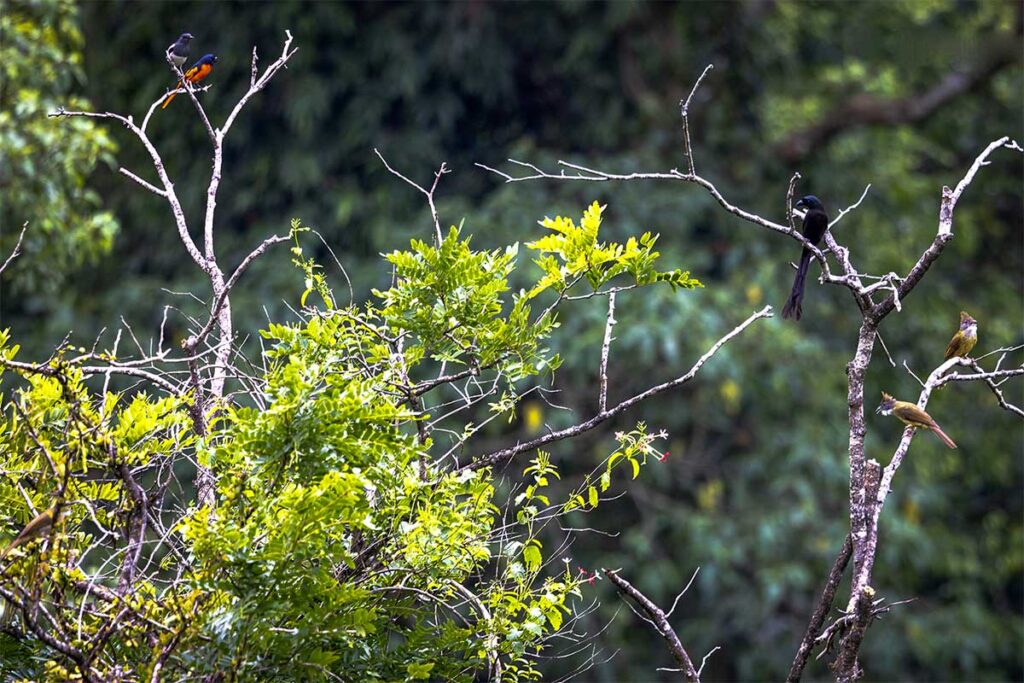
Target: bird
[(195, 73), (965, 338), (177, 52), (909, 414), (814, 227), (38, 527)]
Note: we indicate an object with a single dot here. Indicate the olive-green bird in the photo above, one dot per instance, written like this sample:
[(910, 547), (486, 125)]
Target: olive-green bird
[(37, 528), (965, 338), (910, 415)]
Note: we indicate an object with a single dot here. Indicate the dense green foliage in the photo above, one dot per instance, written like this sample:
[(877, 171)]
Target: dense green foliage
[(43, 166), (339, 546), (754, 491)]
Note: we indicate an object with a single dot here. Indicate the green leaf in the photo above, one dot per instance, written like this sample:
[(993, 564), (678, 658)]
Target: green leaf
[(419, 672)]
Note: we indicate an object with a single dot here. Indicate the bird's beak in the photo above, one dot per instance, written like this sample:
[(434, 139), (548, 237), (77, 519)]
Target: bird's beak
[(800, 205), (878, 410)]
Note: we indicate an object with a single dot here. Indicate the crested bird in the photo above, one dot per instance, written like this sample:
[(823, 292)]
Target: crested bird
[(912, 416)]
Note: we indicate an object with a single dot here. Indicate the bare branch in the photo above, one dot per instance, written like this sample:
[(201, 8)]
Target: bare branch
[(429, 194), (851, 207), (989, 379), (981, 375), (885, 349), (945, 230), (145, 183), (821, 610), (510, 452), (280, 63), (872, 500), (683, 592), (656, 617), (493, 654), (603, 373), (593, 175), (128, 370), (254, 70), (16, 252), (685, 114), (704, 659), (158, 164), (193, 342), (789, 200)]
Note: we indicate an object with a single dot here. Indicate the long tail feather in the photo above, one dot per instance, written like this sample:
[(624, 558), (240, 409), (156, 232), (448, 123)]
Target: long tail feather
[(794, 305), (942, 435)]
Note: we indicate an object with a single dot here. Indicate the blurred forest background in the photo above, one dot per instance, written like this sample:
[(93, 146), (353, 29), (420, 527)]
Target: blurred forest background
[(899, 94)]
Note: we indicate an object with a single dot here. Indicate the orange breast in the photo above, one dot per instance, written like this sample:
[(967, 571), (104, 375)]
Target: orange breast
[(198, 73)]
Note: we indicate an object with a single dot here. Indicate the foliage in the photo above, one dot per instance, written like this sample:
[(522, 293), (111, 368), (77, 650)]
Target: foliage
[(754, 490), (44, 164), (341, 545), (581, 255)]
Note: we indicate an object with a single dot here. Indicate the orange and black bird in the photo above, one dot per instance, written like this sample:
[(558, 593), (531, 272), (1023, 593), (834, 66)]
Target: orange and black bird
[(912, 416), (177, 52), (815, 225), (195, 74)]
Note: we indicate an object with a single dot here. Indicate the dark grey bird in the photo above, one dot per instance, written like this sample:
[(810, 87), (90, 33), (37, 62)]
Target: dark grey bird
[(177, 53)]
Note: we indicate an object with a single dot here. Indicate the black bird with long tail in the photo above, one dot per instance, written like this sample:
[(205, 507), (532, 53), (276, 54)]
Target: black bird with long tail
[(815, 225)]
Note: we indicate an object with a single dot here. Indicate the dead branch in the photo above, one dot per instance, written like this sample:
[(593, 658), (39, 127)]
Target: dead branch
[(657, 618), (510, 452), (16, 252), (429, 194), (821, 610)]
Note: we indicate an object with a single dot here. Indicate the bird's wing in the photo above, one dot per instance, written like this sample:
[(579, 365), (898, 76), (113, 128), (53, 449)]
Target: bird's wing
[(951, 349), (914, 415), (32, 530)]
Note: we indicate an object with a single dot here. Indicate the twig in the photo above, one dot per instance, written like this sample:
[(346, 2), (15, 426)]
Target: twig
[(789, 200), (851, 207), (685, 114), (704, 659), (145, 183), (886, 349), (683, 592), (16, 252), (429, 194)]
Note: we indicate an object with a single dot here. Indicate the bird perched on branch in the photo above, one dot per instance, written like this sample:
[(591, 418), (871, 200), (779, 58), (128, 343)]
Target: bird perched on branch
[(177, 52), (815, 225), (195, 74), (965, 338), (37, 528), (912, 416)]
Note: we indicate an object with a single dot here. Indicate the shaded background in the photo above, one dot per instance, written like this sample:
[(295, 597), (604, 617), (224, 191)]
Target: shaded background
[(901, 95)]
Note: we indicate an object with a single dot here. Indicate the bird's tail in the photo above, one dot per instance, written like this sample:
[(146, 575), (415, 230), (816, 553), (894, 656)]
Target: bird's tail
[(794, 305), (170, 97), (942, 435)]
